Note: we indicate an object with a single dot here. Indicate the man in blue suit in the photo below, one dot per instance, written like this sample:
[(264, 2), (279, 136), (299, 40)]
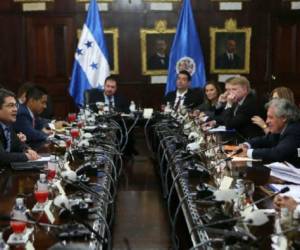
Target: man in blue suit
[(283, 141), (28, 122), (11, 148)]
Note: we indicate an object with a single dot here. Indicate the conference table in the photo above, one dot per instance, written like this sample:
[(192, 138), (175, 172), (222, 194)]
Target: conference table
[(86, 228), (188, 179)]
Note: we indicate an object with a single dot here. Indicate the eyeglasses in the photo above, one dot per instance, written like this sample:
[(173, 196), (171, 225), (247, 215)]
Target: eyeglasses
[(11, 105)]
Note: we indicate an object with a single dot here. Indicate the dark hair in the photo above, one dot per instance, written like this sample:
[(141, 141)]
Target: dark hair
[(5, 93), (110, 78), (185, 72), (35, 93), (218, 88), (24, 88)]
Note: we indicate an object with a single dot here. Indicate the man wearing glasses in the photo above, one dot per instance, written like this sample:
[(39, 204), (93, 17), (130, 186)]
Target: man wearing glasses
[(11, 148)]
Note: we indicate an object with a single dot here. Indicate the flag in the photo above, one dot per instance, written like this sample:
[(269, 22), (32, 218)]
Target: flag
[(186, 52), (91, 65)]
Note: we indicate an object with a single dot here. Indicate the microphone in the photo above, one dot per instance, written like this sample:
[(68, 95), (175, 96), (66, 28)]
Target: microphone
[(282, 191), (254, 218), (209, 202)]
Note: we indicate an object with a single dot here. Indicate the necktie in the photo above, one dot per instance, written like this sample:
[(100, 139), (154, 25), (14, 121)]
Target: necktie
[(236, 109), (7, 135), (177, 103), (110, 102)]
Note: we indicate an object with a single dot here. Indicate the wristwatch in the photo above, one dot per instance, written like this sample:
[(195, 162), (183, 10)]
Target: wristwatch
[(264, 126)]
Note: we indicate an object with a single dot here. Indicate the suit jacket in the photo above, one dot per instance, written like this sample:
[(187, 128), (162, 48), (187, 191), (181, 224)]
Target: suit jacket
[(223, 62), (241, 119), (158, 62), (17, 149), (92, 96), (192, 99), (278, 147), (24, 124)]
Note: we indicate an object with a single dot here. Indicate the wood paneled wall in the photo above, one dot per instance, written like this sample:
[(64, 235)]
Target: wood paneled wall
[(39, 46)]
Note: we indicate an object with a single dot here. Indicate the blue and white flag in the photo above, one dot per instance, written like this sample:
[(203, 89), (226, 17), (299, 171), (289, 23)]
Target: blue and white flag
[(186, 52), (91, 65)]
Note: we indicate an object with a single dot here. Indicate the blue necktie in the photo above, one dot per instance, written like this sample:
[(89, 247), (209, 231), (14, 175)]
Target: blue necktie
[(7, 135)]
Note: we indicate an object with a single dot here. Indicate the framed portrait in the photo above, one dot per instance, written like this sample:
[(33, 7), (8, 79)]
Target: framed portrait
[(33, 1), (112, 43), (99, 1), (162, 1), (230, 1), (230, 49), (155, 47)]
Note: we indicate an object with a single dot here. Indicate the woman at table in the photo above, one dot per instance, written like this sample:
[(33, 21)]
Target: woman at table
[(280, 92), (212, 91)]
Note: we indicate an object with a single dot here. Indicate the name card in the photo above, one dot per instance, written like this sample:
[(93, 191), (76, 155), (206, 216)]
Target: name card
[(295, 5), (231, 6), (158, 79), (34, 6), (161, 6), (101, 6)]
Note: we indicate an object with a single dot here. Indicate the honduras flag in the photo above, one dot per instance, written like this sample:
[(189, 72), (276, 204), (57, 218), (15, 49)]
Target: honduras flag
[(91, 65), (186, 52)]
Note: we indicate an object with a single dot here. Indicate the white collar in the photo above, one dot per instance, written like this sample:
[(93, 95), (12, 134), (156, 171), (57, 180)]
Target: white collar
[(30, 112), (181, 94)]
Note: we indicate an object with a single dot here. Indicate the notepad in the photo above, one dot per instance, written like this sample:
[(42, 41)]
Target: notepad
[(285, 171)]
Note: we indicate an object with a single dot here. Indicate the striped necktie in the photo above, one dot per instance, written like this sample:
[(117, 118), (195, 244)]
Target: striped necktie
[(7, 135)]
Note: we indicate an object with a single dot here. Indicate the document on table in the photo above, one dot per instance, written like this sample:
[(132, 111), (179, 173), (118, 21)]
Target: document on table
[(218, 129), (43, 158), (285, 171)]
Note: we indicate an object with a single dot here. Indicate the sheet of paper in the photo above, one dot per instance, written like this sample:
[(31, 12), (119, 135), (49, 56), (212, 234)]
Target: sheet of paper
[(285, 171), (43, 158), (218, 129)]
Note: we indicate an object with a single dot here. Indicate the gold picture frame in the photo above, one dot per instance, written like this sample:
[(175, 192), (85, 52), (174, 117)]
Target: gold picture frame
[(149, 38), (230, 49), (98, 1), (33, 1), (163, 1), (230, 1), (112, 43)]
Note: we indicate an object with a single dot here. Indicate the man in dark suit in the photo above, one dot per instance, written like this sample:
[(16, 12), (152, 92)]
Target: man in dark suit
[(28, 121), (160, 59), (11, 148), (108, 96), (183, 96), (229, 59), (283, 141), (240, 107)]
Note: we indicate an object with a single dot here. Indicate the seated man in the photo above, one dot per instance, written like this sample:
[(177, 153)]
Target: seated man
[(28, 120), (283, 141), (11, 148), (183, 96), (240, 107), (109, 97), (21, 97)]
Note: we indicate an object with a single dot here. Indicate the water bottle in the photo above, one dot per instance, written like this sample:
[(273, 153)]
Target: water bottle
[(3, 245), (168, 108), (52, 168), (19, 217), (41, 191), (132, 107)]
